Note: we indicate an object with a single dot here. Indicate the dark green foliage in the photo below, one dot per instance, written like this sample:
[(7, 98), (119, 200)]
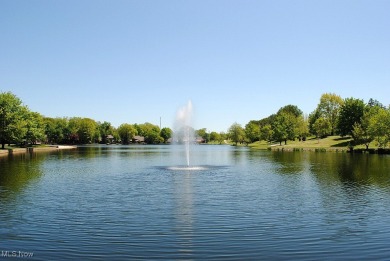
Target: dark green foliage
[(166, 134), (252, 131), (236, 133), (291, 109), (127, 132), (351, 113)]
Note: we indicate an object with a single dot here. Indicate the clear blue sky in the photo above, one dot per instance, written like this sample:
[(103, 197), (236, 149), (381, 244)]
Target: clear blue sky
[(134, 61)]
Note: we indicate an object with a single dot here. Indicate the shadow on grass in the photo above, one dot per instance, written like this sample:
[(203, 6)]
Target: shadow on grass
[(346, 141), (342, 144), (342, 138)]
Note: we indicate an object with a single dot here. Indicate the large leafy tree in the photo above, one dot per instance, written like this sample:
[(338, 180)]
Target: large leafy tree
[(55, 129), (378, 127), (204, 134), (214, 136), (287, 124), (13, 115), (360, 133), (329, 108), (166, 134), (291, 109), (72, 130), (322, 127), (150, 131), (127, 132), (283, 127), (252, 131), (351, 113), (236, 133), (313, 117), (105, 129), (268, 120), (87, 130), (302, 127), (363, 132), (35, 128), (266, 133), (221, 137)]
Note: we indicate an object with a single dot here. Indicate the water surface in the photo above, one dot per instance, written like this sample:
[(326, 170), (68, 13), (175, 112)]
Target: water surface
[(130, 202)]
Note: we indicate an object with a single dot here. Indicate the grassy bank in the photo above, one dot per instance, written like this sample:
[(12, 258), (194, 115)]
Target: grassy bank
[(331, 143)]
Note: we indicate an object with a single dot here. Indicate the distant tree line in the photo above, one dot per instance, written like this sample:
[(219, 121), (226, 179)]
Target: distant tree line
[(19, 125), (364, 122)]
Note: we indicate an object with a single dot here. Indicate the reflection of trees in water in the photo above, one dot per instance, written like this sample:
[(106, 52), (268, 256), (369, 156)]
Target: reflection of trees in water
[(95, 151), (289, 162), (360, 169), (18, 171), (342, 193), (239, 155), (352, 190)]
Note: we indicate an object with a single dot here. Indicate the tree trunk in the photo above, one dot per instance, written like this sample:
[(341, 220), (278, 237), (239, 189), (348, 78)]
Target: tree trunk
[(2, 145), (285, 142)]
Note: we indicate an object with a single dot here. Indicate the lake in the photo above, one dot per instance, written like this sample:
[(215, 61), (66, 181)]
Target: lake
[(130, 203)]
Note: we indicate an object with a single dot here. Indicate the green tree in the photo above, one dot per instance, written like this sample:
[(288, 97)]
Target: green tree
[(104, 129), (329, 108), (236, 133), (375, 103), (313, 117), (266, 133), (166, 134), (378, 127), (279, 128), (291, 109), (322, 127), (203, 133), (71, 132), (252, 131), (222, 137), (361, 133), (13, 115), (115, 134), (35, 128), (56, 130), (214, 136), (86, 130), (302, 127), (351, 112), (269, 120), (150, 131), (127, 132), (284, 127)]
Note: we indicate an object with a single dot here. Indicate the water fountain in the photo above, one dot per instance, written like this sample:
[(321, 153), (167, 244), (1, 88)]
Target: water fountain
[(184, 134)]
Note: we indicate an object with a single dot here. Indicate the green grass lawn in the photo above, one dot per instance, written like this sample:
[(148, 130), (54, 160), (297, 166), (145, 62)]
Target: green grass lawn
[(310, 143)]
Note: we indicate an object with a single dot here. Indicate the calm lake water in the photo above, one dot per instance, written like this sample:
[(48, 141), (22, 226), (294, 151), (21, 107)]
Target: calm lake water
[(127, 203)]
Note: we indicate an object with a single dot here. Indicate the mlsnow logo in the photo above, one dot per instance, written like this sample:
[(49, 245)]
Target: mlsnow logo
[(16, 254)]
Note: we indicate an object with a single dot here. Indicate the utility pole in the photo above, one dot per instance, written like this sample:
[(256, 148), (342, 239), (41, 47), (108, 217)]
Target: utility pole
[(160, 122)]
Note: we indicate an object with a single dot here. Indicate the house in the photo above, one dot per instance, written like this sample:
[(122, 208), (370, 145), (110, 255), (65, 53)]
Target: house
[(139, 139), (110, 138), (200, 140)]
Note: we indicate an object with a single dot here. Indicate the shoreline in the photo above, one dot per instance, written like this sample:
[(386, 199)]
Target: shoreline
[(12, 151), (331, 149)]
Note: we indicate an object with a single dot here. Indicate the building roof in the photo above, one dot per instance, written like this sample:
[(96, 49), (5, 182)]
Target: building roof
[(139, 138)]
